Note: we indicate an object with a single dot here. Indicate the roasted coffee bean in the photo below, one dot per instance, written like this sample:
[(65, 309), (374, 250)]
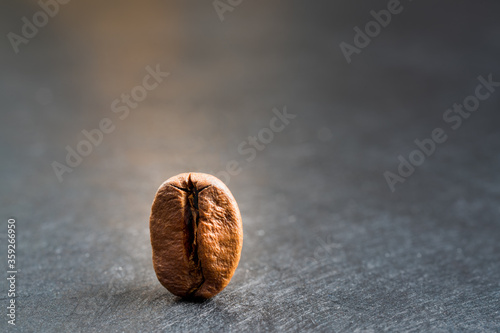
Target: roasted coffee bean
[(196, 235)]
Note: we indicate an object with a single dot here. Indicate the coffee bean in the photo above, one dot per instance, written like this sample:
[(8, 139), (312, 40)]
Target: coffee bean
[(196, 235)]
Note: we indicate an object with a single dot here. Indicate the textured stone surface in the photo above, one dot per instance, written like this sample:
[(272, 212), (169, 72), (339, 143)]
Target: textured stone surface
[(328, 247)]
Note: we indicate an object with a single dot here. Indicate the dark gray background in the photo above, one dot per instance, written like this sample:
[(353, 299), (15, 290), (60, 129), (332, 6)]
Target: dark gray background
[(328, 246)]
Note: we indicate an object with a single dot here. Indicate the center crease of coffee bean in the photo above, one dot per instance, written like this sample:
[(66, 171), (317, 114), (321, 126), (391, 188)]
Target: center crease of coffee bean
[(191, 216)]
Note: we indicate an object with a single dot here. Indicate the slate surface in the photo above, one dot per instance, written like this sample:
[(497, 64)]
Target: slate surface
[(328, 246)]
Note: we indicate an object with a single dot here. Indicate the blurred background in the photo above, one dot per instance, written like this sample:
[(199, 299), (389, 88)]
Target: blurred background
[(328, 246)]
